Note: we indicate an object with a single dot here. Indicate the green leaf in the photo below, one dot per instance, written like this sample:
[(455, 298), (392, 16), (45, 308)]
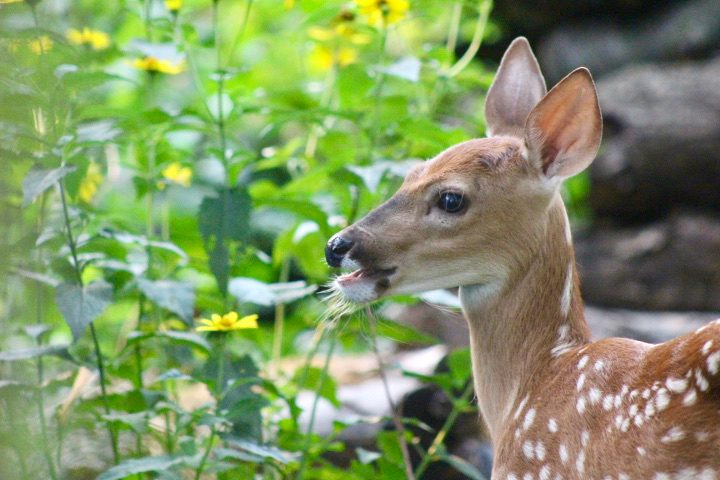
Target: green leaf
[(463, 467), (137, 422), (366, 456), (28, 353), (140, 465), (249, 290), (460, 365), (264, 451), (184, 338), (313, 381), (81, 305), (38, 180), (177, 297), (222, 218), (404, 333)]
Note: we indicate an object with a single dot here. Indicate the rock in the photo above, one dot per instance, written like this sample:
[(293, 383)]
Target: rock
[(685, 30), (661, 145), (670, 264)]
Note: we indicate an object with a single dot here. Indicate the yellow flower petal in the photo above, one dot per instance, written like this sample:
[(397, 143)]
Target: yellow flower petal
[(173, 5)]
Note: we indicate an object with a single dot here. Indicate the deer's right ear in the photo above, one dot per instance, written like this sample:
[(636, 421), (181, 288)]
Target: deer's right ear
[(564, 130), (518, 86)]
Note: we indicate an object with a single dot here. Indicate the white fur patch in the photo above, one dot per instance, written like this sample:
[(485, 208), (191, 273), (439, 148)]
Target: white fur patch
[(594, 395), (552, 425), (567, 292), (706, 347), (529, 418), (563, 451), (713, 363), (673, 435), (690, 397), (676, 385), (583, 361)]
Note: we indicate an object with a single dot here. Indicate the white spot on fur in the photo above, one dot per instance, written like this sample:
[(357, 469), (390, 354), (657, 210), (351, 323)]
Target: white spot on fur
[(702, 436), (528, 449), (661, 476), (563, 343), (583, 361), (594, 395), (552, 425), (520, 407), (623, 476), (580, 462), (563, 451), (662, 400), (599, 366), (540, 450), (690, 397), (511, 476), (529, 419), (585, 438), (544, 473), (638, 420), (641, 451), (633, 409), (517, 433), (580, 382), (701, 381), (706, 347), (567, 292), (673, 435), (580, 405), (676, 385), (707, 474), (625, 425), (528, 476), (646, 393), (618, 401), (713, 363), (649, 410), (608, 402)]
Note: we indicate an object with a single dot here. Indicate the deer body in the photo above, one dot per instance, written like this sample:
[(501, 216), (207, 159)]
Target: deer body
[(487, 216)]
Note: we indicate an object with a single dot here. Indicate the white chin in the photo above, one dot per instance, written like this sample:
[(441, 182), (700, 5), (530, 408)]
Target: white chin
[(357, 291)]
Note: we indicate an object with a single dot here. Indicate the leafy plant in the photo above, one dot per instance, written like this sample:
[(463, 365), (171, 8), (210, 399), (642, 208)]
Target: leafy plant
[(166, 161)]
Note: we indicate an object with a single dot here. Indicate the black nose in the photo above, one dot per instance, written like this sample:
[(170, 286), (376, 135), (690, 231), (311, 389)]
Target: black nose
[(336, 249)]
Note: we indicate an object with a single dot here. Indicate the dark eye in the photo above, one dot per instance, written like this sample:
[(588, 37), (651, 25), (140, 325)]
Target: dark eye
[(451, 202)]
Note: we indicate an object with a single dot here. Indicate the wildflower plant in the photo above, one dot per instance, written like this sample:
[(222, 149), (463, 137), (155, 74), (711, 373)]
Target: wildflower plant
[(169, 161)]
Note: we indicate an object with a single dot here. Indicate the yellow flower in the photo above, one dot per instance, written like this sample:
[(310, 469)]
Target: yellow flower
[(173, 5), (227, 323), (90, 183), (41, 45), (323, 58), (383, 12), (157, 65), (96, 39), (176, 173), (11, 1)]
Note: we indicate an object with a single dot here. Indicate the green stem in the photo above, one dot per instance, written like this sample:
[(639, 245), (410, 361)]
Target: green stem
[(96, 344), (372, 322), (458, 406), (375, 132), (279, 326), (313, 411), (484, 8), (41, 413), (219, 387), (454, 28)]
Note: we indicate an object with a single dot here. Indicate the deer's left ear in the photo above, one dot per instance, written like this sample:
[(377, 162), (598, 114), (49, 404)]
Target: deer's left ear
[(564, 129)]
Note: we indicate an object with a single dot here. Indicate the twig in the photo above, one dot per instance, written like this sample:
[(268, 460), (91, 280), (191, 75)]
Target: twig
[(484, 12), (372, 321)]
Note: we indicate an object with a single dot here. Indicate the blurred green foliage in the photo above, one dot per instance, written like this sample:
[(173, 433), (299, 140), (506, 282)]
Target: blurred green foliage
[(165, 161)]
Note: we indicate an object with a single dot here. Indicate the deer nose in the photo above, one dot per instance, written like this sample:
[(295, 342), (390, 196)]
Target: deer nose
[(336, 249)]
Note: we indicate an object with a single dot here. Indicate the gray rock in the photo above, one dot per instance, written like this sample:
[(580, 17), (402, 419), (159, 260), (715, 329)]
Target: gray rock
[(686, 30), (661, 145), (672, 264)]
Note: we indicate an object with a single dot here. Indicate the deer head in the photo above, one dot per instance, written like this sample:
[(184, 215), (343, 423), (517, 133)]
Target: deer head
[(476, 213)]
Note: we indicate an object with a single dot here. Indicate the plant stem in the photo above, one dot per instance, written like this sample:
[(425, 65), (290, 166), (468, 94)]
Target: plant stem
[(484, 7), (372, 321), (96, 344), (454, 28), (375, 132), (313, 410), (279, 326), (219, 387), (41, 413), (442, 433)]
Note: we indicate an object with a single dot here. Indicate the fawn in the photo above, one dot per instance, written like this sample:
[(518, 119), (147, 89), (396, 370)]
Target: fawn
[(487, 216)]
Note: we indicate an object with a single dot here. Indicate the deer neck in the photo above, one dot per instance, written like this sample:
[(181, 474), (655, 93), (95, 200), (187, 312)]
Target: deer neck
[(518, 328)]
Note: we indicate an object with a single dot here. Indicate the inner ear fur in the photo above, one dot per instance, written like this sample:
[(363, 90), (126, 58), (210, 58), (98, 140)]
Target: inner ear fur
[(563, 131), (518, 86)]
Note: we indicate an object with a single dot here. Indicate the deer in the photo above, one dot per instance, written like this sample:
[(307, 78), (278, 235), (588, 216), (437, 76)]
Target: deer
[(487, 216)]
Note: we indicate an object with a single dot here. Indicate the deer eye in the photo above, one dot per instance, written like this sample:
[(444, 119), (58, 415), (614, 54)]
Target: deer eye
[(451, 202)]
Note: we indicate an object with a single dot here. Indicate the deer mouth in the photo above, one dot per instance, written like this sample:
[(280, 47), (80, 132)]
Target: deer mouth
[(379, 275)]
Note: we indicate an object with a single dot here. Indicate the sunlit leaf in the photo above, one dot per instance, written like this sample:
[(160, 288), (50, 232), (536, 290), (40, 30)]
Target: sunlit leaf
[(34, 352), (249, 290), (177, 297), (140, 465), (81, 305), (38, 180)]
